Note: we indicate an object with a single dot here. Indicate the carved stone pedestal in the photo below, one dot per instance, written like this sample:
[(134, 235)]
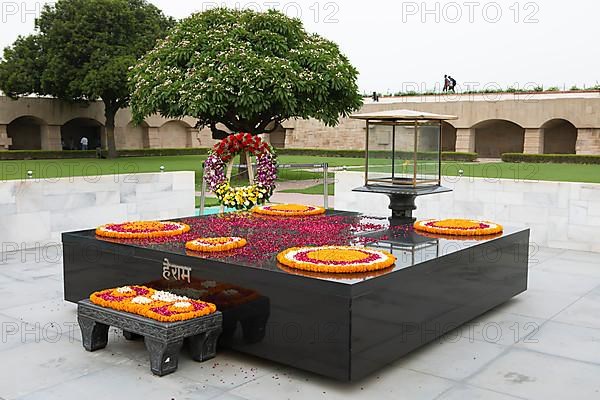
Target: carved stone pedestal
[(163, 339)]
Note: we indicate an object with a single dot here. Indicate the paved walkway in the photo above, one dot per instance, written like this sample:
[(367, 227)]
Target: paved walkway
[(298, 198), (544, 344)]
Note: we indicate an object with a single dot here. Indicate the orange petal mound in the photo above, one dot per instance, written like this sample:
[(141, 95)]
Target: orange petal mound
[(458, 227), (336, 259), (288, 210), (142, 230), (150, 303), (216, 244)]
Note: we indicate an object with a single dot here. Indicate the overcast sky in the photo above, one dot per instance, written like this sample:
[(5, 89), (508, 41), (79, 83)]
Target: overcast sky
[(399, 44)]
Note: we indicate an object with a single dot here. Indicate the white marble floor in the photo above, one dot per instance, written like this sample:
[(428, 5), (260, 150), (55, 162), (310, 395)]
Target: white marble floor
[(543, 344)]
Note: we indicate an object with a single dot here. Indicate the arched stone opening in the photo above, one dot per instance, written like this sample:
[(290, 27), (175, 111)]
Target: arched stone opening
[(560, 137), (448, 137), (26, 133), (496, 137), (74, 130), (174, 134)]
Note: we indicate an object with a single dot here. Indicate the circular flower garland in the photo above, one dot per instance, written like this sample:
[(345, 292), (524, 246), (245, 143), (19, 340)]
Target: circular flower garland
[(336, 259), (216, 244), (142, 230), (245, 197), (458, 227), (289, 210), (150, 303), (461, 238), (334, 276)]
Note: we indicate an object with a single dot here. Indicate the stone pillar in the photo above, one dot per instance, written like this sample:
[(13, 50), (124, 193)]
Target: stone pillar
[(465, 140), (289, 135), (588, 141), (265, 137), (192, 137), (5, 141), (534, 141), (51, 139), (153, 138)]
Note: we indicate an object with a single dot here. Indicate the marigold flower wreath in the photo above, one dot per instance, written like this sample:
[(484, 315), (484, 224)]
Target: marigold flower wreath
[(153, 304), (458, 227), (221, 158), (216, 244), (334, 276), (142, 230), (288, 210), (336, 259)]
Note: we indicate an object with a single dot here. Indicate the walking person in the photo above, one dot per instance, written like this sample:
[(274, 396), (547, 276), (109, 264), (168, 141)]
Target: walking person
[(446, 83), (452, 84), (84, 143)]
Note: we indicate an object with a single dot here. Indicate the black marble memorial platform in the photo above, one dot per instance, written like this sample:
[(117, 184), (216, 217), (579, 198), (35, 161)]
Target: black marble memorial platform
[(343, 326)]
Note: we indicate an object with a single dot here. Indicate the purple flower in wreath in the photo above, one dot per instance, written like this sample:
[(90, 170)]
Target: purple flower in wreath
[(266, 171), (214, 171)]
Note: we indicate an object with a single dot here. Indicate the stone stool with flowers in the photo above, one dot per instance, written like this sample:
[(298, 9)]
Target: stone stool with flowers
[(164, 320)]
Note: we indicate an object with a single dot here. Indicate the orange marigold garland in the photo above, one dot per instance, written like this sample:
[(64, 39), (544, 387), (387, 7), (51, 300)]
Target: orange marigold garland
[(150, 303), (289, 210), (458, 227), (336, 259), (142, 230), (216, 244), (335, 276)]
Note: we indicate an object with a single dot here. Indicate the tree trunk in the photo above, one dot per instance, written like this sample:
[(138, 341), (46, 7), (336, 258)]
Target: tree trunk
[(109, 113)]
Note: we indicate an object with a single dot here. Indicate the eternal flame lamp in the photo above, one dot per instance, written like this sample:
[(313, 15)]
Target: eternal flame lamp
[(403, 157)]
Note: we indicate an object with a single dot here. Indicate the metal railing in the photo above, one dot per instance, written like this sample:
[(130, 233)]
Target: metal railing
[(324, 167)]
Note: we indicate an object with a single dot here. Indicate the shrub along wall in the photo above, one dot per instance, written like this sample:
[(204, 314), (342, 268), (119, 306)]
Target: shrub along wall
[(446, 155), (45, 154), (68, 154), (551, 158)]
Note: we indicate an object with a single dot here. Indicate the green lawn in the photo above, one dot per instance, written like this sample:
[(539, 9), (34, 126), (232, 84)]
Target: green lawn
[(527, 171), (94, 167), (208, 202), (317, 189)]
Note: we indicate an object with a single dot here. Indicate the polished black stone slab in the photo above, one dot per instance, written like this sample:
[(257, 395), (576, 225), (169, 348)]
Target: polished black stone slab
[(341, 326)]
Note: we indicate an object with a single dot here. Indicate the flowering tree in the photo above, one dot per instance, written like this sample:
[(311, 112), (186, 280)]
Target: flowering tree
[(243, 71), (82, 51)]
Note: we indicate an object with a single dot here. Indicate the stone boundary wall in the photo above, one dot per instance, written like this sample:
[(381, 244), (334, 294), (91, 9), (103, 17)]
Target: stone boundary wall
[(536, 115), (561, 215), (36, 212)]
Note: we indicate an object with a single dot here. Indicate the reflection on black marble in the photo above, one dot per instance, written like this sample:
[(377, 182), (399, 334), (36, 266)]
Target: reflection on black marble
[(341, 326), (240, 306)]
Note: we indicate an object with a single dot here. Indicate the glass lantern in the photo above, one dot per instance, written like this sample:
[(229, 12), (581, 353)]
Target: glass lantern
[(403, 153), (403, 157)]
